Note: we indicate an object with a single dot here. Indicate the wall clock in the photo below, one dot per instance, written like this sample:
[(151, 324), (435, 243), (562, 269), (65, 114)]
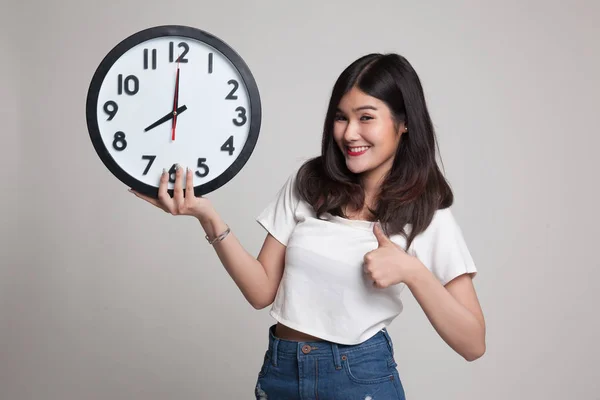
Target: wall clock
[(172, 95)]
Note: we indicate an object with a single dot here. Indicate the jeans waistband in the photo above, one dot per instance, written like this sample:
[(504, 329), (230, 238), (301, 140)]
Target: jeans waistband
[(322, 348)]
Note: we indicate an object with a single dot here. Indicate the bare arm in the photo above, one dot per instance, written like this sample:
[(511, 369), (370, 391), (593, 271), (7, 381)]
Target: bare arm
[(453, 310), (257, 278)]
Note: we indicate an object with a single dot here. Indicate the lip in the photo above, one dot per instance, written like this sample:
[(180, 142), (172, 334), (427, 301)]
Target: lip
[(355, 153)]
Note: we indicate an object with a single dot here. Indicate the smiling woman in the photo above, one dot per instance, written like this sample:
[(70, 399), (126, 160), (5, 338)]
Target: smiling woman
[(346, 234), (386, 169)]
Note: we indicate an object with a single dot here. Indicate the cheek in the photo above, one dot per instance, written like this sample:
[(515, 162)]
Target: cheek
[(385, 138)]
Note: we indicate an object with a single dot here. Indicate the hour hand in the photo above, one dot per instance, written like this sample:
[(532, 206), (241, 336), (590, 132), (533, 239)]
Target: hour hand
[(166, 118)]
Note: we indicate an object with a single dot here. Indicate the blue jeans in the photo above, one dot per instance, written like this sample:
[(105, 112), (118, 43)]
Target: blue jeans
[(323, 370)]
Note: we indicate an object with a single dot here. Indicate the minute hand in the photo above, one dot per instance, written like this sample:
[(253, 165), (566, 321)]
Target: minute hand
[(166, 118)]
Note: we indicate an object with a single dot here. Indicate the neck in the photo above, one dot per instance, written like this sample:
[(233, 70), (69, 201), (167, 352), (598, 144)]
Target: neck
[(371, 181)]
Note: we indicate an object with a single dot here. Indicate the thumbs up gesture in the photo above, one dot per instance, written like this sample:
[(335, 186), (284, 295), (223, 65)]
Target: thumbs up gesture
[(388, 264)]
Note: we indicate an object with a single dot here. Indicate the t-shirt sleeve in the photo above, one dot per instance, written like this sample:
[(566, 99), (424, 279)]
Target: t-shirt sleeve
[(279, 218), (443, 250)]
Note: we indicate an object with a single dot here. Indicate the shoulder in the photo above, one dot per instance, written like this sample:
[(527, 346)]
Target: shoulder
[(443, 227), (442, 247), (442, 219)]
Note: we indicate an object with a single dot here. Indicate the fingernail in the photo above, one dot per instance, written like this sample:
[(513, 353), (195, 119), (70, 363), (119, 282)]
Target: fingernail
[(164, 170)]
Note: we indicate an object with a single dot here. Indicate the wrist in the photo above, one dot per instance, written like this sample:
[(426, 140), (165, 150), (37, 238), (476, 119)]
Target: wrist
[(207, 215), (416, 272), (212, 223)]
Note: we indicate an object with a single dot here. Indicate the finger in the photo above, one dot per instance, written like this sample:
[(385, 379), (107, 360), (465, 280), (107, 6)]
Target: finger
[(382, 238), (178, 189), (369, 261), (368, 265), (163, 195), (368, 257), (189, 184)]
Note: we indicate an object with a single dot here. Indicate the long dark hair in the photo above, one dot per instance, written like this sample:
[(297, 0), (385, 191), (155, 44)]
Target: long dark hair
[(414, 188)]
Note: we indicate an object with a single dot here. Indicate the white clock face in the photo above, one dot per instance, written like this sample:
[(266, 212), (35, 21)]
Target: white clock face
[(144, 131)]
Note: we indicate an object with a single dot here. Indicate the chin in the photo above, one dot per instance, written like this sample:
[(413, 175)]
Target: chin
[(357, 169)]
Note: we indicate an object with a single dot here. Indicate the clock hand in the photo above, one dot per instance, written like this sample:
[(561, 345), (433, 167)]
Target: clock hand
[(175, 103), (166, 118)]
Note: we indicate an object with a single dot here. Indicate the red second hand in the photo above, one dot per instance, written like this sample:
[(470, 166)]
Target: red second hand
[(175, 103)]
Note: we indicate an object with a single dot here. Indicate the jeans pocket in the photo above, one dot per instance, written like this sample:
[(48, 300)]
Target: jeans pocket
[(369, 367)]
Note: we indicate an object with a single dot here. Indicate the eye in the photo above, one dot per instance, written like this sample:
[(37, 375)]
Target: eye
[(339, 117), (366, 118)]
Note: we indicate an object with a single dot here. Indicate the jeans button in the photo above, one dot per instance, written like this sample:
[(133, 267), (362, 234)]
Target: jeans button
[(306, 349)]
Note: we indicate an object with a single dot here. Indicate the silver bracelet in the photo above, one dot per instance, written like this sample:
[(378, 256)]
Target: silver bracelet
[(220, 237)]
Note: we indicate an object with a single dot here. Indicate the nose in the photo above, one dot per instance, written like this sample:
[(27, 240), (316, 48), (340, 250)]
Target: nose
[(352, 132)]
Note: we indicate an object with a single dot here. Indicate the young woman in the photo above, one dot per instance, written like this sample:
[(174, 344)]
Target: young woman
[(345, 235)]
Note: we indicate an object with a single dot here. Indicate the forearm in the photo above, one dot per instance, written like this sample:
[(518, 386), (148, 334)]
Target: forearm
[(245, 270), (457, 326)]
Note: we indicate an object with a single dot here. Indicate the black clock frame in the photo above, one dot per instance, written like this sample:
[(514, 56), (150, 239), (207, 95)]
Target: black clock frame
[(192, 33)]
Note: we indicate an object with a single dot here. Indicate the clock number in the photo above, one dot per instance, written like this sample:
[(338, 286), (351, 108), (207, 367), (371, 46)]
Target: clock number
[(202, 165), (210, 63), (119, 143), (129, 81), (228, 146), (111, 108), (231, 95), (242, 115), (172, 174), (146, 58), (151, 160), (181, 58), (186, 48)]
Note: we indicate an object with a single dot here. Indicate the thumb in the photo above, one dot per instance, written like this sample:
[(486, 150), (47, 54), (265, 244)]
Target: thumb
[(382, 239)]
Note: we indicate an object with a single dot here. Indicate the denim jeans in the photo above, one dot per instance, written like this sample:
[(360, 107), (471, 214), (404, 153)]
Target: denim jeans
[(328, 371)]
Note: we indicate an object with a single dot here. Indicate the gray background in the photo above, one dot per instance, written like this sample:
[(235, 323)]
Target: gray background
[(103, 296)]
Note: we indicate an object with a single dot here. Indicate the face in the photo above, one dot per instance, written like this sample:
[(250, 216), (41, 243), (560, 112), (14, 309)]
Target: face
[(365, 133)]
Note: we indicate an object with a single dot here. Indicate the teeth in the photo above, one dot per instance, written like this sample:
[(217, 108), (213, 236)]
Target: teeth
[(358, 149)]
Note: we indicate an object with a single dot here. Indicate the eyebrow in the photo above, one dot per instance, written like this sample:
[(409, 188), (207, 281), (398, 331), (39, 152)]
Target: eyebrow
[(367, 107)]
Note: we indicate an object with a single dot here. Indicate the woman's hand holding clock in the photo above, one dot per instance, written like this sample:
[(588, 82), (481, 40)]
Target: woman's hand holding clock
[(181, 203)]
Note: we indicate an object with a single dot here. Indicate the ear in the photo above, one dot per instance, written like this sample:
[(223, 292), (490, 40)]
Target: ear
[(401, 128)]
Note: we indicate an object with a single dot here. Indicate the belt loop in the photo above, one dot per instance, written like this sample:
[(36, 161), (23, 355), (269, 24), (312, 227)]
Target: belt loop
[(274, 346), (336, 356), (274, 356), (389, 340)]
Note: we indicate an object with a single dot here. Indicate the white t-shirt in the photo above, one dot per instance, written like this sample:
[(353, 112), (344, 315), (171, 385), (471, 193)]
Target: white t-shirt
[(324, 291)]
